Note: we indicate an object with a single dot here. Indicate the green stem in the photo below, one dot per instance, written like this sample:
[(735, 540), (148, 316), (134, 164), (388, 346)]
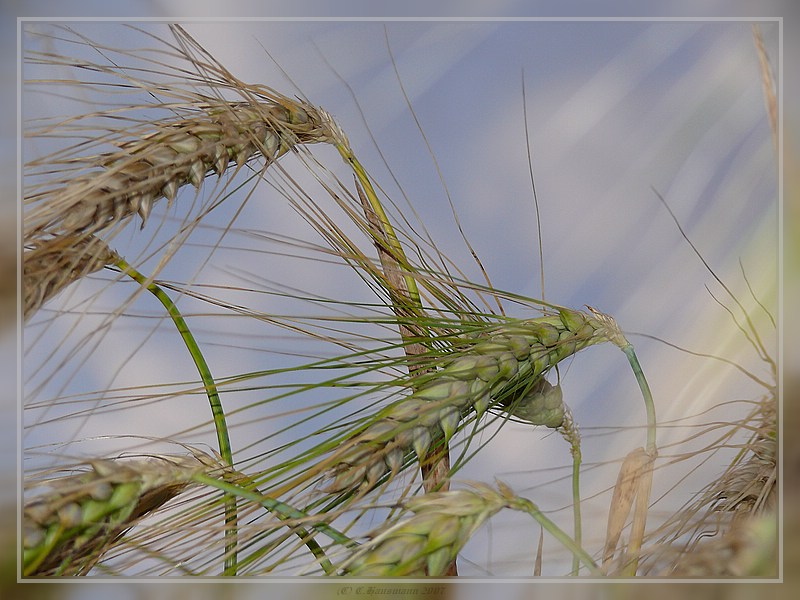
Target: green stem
[(576, 504), (213, 397), (648, 398), (286, 512), (569, 431), (525, 505), (646, 478)]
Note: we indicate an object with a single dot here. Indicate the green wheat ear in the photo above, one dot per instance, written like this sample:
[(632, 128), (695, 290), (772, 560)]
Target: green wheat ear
[(442, 522), (66, 530)]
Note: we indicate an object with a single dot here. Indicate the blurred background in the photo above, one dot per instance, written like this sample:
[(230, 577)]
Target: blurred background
[(613, 109)]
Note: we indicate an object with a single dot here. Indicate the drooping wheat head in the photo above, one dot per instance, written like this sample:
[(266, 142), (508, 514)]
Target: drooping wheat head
[(122, 164), (67, 528), (168, 155), (503, 366)]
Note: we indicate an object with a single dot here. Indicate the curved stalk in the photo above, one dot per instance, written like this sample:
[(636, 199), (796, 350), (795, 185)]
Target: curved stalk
[(647, 396), (646, 477), (217, 411)]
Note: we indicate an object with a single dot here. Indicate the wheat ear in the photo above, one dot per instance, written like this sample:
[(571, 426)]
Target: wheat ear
[(502, 366), (427, 542), (71, 194), (174, 153), (66, 530)]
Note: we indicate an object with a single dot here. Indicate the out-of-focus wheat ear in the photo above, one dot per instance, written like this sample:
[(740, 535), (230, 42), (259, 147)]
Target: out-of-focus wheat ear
[(427, 542), (52, 263), (622, 501), (743, 503), (174, 153), (67, 528), (748, 549), (768, 84)]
